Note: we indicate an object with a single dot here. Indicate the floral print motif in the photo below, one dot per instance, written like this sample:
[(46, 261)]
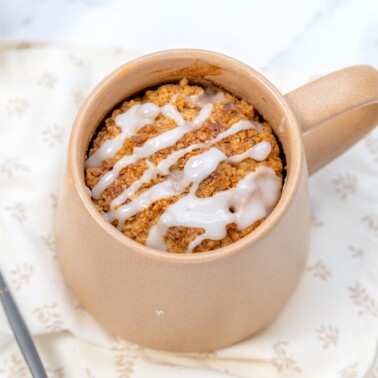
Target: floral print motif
[(366, 304), (9, 167), (319, 270), (55, 373), (76, 61), (372, 221), (345, 185), (78, 98), (49, 242), (315, 222), (371, 143), (328, 335), (88, 373), (47, 80), (17, 107), (13, 367), (53, 135), (124, 355), (282, 360), (21, 275), (49, 316), (53, 201), (18, 211), (355, 252), (349, 372)]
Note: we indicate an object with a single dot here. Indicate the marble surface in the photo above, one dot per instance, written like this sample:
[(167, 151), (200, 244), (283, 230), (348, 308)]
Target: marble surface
[(293, 36)]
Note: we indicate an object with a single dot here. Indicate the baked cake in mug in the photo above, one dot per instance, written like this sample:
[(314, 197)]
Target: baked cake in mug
[(184, 168)]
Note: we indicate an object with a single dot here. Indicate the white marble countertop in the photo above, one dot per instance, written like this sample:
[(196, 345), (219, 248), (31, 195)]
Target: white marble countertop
[(314, 37)]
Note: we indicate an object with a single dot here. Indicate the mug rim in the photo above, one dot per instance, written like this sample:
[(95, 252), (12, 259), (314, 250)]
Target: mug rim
[(290, 185)]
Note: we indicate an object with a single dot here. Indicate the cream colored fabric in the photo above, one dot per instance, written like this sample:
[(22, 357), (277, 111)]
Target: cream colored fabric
[(328, 329)]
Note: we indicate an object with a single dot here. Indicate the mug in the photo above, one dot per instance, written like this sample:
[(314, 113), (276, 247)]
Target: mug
[(204, 301)]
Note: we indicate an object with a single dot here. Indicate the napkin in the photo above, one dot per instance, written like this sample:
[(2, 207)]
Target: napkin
[(328, 329)]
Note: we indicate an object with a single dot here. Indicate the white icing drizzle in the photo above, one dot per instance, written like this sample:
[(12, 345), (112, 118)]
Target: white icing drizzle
[(259, 152), (129, 122), (196, 169), (173, 98), (252, 199), (205, 97), (164, 165), (164, 140)]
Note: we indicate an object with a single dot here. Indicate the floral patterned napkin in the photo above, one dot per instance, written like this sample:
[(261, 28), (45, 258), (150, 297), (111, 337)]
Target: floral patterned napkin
[(328, 329)]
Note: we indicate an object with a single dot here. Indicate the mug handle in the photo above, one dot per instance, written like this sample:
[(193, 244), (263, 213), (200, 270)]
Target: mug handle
[(335, 111)]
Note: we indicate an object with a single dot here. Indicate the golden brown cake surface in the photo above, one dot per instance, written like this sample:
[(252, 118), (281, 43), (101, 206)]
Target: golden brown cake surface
[(225, 113)]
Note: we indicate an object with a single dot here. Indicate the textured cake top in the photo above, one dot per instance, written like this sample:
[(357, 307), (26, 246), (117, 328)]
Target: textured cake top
[(184, 169)]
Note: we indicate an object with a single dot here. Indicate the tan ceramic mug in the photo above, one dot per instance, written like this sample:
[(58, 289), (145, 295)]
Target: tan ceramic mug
[(205, 301)]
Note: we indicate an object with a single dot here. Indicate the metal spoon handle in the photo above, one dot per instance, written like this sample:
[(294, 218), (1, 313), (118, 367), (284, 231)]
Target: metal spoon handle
[(23, 338)]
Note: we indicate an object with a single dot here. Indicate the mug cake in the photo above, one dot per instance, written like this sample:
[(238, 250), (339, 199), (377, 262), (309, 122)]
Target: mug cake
[(184, 168)]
